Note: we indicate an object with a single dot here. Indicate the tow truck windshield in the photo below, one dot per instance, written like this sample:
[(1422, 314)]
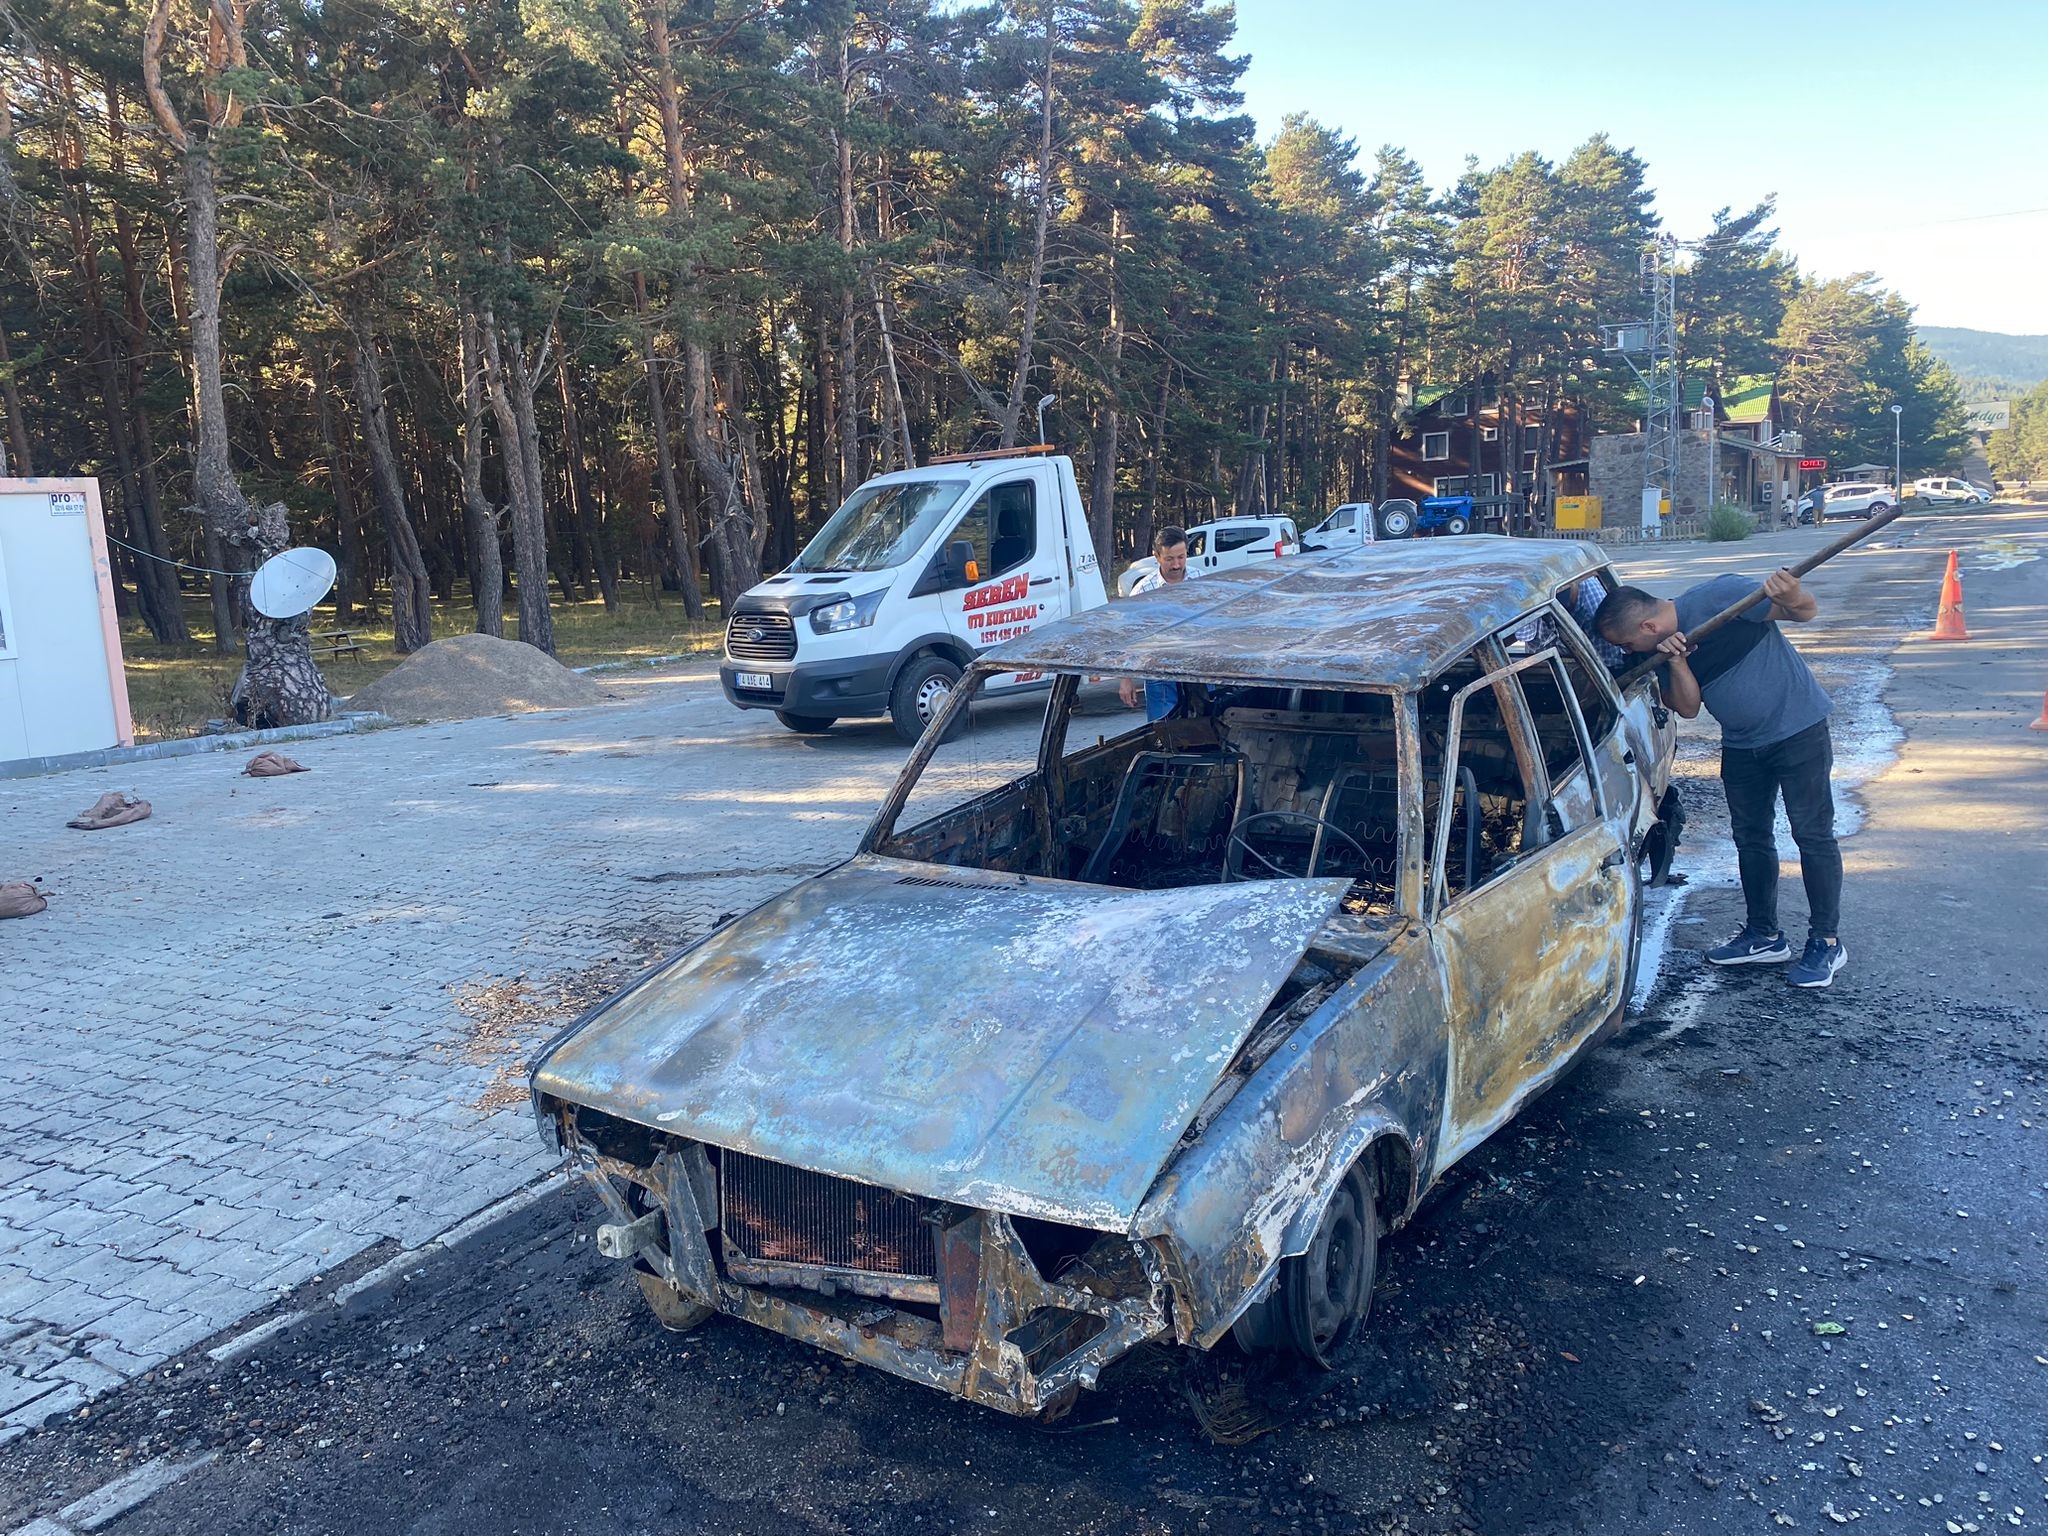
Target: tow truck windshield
[(880, 526)]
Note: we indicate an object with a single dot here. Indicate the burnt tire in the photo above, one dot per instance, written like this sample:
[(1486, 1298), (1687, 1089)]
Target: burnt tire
[(671, 1308), (1322, 1296), (806, 725), (921, 691), (1660, 843)]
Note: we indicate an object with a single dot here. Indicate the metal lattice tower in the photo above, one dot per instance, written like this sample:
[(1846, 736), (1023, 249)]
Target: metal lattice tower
[(1664, 416)]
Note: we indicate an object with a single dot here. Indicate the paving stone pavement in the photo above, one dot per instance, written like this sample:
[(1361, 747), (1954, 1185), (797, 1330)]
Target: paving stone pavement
[(241, 1052)]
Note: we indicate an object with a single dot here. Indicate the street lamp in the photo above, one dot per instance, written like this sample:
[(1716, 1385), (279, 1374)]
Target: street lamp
[(1043, 402), (1898, 478)]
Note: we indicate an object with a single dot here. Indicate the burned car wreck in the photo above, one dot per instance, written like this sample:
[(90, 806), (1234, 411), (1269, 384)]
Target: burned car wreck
[(1154, 1038)]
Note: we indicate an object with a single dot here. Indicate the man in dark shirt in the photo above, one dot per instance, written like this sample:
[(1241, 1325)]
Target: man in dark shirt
[(1774, 741)]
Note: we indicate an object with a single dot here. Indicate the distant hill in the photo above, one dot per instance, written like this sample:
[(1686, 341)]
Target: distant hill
[(1989, 364)]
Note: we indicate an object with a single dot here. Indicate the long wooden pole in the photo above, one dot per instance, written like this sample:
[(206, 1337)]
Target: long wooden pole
[(1820, 556)]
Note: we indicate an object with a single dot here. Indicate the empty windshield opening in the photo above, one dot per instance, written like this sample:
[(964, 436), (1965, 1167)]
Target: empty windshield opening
[(1194, 784), (880, 526)]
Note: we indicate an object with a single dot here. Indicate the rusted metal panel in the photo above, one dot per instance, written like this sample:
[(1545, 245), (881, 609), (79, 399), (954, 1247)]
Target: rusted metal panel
[(1533, 963), (1369, 1061), (1389, 615), (960, 1283), (1008, 1043)]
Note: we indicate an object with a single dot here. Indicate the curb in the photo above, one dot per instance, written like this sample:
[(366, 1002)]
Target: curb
[(398, 1263), (190, 746), (111, 1500), (108, 1502)]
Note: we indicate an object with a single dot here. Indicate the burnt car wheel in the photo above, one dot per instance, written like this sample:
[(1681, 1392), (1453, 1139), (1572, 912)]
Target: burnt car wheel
[(1322, 1296), (1660, 843)]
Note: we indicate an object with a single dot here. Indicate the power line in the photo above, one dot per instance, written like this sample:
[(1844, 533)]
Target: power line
[(1977, 218), (204, 570)]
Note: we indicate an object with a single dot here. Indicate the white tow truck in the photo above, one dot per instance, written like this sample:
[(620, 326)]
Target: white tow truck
[(917, 574)]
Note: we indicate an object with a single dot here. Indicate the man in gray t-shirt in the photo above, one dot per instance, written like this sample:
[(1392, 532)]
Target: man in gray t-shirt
[(1774, 742)]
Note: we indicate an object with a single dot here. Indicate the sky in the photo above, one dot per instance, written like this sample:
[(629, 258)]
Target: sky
[(1896, 136)]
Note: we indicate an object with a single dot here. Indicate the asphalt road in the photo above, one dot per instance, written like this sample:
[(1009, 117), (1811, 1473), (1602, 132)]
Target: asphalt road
[(1771, 1260)]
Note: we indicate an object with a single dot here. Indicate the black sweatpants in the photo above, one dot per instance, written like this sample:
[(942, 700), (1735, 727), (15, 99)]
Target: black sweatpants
[(1753, 778)]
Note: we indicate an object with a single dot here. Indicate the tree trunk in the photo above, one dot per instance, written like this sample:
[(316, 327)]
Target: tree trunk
[(1279, 470), (602, 563), (17, 428), (1477, 393), (735, 566), (818, 478), (1013, 407), (486, 563), (1155, 454), (665, 463), (111, 366), (510, 386), (279, 685), (850, 468), (349, 572), (1102, 493), (412, 609), (896, 405), (147, 516)]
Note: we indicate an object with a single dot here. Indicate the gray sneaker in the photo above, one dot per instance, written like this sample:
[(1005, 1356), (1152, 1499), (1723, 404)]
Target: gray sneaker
[(1817, 967), (1752, 948)]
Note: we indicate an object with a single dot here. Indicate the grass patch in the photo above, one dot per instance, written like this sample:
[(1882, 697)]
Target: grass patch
[(174, 689)]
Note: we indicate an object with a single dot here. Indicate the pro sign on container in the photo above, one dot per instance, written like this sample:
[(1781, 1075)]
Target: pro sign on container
[(62, 689)]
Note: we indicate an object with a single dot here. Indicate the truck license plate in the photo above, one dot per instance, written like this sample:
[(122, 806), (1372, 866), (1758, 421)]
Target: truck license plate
[(760, 680)]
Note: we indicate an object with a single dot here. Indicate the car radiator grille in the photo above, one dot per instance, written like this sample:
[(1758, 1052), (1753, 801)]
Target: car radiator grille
[(760, 637), (793, 1216)]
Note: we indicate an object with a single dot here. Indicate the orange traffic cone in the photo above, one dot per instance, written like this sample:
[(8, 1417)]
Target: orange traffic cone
[(1948, 622)]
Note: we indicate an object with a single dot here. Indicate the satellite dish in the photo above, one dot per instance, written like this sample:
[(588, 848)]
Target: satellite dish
[(288, 584)]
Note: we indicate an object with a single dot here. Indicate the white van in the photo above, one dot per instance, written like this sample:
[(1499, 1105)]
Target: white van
[(915, 575), (1349, 524), (1223, 546)]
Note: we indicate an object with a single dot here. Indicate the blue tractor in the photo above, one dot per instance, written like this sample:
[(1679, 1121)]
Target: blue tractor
[(1401, 517)]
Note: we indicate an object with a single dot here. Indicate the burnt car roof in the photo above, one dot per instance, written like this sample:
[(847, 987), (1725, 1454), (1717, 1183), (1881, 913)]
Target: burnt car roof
[(1387, 615)]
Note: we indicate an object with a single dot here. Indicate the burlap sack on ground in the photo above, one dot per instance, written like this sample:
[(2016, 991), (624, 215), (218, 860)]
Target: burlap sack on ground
[(110, 810), (268, 765), (20, 899)]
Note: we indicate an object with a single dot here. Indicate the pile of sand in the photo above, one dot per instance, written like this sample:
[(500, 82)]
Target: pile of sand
[(469, 675)]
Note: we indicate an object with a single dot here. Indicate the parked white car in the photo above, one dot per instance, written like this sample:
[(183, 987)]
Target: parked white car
[(1949, 491), (1223, 546), (1856, 498)]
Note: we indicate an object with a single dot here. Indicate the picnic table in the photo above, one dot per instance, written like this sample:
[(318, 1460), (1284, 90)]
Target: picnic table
[(336, 642)]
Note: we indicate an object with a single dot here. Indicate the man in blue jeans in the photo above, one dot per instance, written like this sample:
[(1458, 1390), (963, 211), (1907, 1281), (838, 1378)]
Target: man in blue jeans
[(1774, 742), (1170, 551)]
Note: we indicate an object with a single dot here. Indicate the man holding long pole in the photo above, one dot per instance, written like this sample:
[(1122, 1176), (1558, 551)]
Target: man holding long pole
[(1774, 743)]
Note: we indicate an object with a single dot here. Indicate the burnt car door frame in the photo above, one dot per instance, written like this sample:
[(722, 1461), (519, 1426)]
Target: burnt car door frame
[(1548, 931)]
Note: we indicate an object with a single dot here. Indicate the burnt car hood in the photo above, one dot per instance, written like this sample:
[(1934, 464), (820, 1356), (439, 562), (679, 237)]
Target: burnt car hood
[(1010, 1043)]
